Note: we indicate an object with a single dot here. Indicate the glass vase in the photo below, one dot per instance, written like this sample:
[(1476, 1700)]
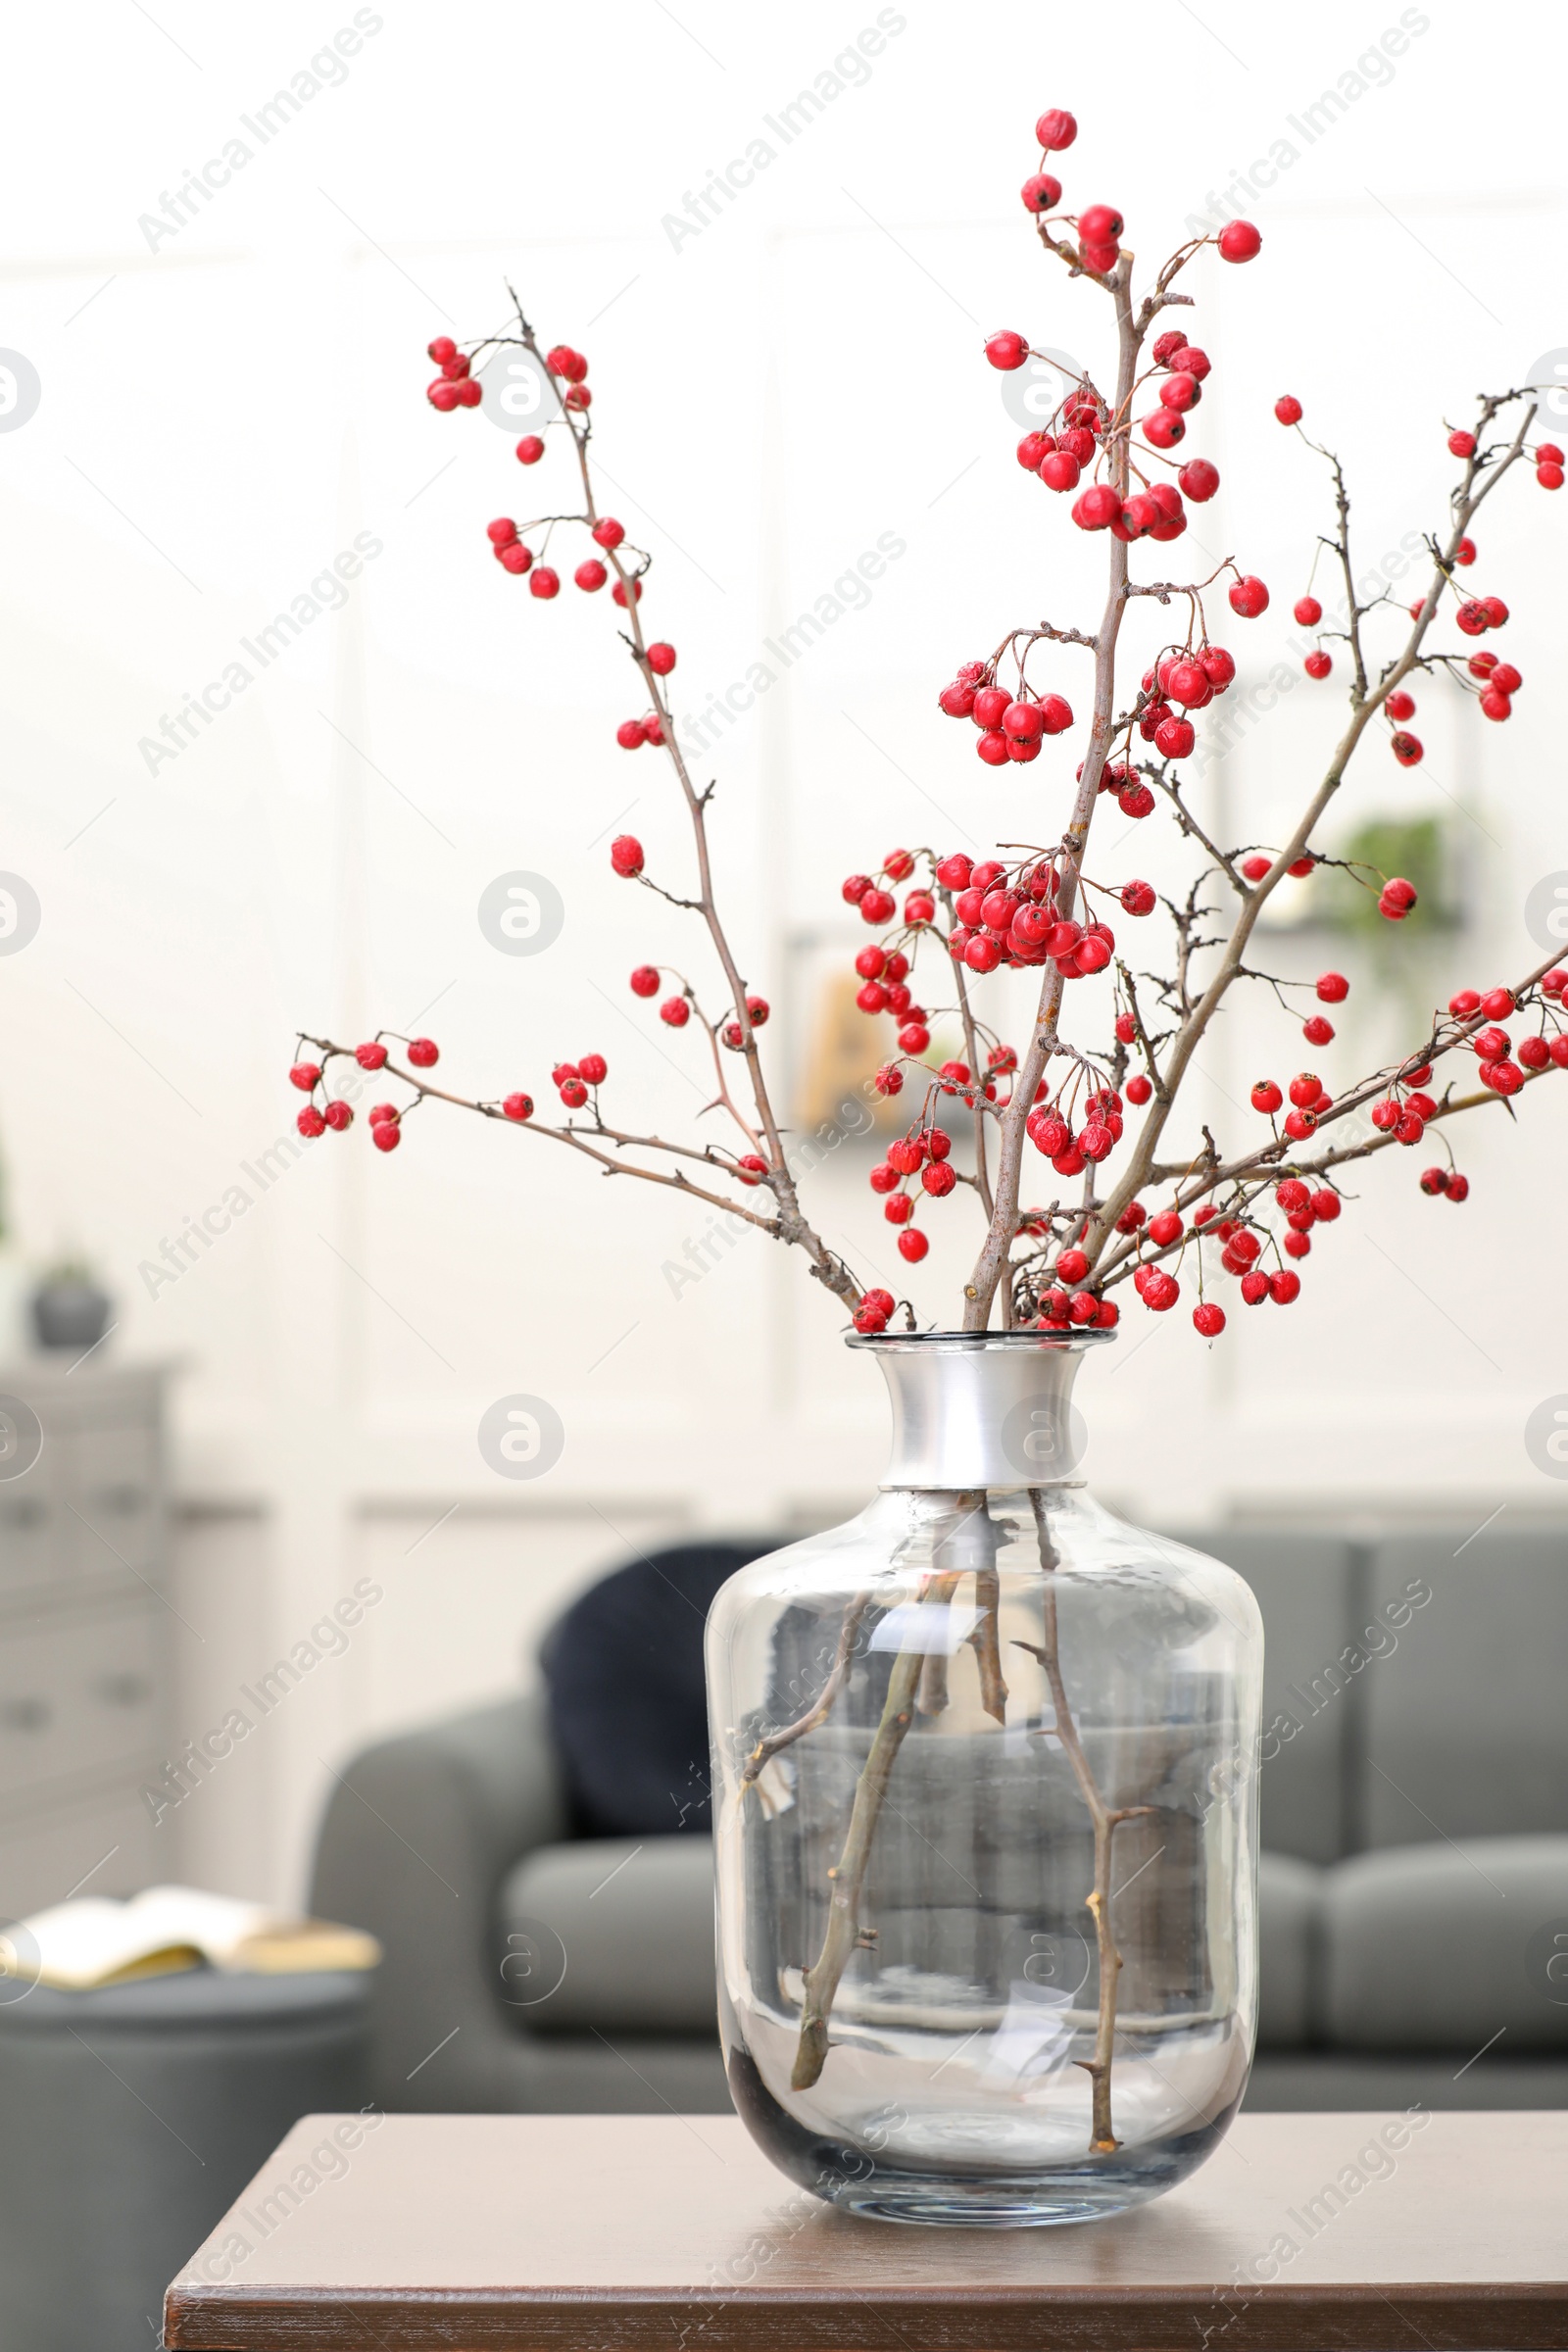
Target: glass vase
[(986, 1824)]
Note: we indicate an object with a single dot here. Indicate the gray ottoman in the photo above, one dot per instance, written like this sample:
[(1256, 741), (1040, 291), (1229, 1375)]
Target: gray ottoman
[(130, 2119)]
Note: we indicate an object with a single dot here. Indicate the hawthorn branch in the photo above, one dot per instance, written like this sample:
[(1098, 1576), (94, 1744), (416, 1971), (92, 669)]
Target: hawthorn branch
[(1468, 501), (981, 1289), (1106, 1820)]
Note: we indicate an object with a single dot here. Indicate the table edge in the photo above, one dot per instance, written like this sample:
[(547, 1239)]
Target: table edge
[(1528, 2315)]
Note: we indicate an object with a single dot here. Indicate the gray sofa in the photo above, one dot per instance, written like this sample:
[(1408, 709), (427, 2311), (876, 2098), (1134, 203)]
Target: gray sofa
[(1414, 1794)]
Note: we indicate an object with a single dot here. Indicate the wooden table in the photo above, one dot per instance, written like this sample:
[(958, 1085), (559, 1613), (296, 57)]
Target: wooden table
[(406, 2233)]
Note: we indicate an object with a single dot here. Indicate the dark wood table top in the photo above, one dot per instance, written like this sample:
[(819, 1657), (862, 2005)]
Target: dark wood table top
[(524, 2234)]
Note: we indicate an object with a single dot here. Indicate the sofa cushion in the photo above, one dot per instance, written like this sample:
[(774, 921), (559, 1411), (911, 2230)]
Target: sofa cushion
[(628, 1706), (610, 1932), (1466, 1734), (1290, 1935), (1304, 1586), (1443, 1948)]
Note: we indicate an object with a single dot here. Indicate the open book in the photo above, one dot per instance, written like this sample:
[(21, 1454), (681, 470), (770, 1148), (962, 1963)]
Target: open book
[(96, 1940)]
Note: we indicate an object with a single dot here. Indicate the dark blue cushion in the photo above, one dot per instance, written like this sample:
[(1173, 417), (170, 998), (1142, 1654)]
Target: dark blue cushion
[(623, 1668)]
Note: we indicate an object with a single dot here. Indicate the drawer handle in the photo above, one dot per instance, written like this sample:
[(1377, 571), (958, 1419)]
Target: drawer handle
[(123, 1689), (121, 1499), (24, 1714)]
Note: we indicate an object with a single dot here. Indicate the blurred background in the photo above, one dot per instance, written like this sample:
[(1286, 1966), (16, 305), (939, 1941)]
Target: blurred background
[(218, 392)]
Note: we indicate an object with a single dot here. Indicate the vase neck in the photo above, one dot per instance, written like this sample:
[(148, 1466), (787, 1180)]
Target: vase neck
[(983, 1410)]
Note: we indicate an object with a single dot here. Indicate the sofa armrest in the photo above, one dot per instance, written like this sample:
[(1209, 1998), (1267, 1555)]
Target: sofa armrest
[(417, 1838)]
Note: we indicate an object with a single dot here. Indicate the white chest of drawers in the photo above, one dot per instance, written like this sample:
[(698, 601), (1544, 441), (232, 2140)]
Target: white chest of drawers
[(86, 1657)]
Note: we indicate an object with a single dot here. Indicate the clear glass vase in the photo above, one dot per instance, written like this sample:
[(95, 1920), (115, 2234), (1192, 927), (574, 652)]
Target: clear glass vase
[(985, 1811)]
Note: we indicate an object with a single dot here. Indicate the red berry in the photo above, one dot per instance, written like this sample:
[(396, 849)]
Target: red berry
[(387, 1134), (379, 1112), (1458, 1188), (607, 532), (912, 1245), (593, 1067), (1239, 241), (1099, 506), (515, 557), (1399, 705), (574, 1093), (1317, 1030), (309, 1123), (940, 1178), (1284, 1287), (1249, 597), (1399, 892), (518, 1107), (370, 1056), (531, 449), (303, 1075), (626, 855), (675, 1012), (1138, 1090), (1406, 748), (501, 531), (1287, 408), (1433, 1181), (1550, 476), (1041, 193), (1162, 1291), (441, 350), (1318, 665), (1198, 481), (444, 395), (1308, 612), (338, 1115), (544, 583), (1495, 705), (1137, 898), (617, 594), (629, 735), (661, 659), (1165, 1227), (590, 575), (1498, 1003), (878, 906), (1006, 350), (469, 392), (1534, 1052), (424, 1053), (1099, 223), (1209, 1320), (1056, 128)]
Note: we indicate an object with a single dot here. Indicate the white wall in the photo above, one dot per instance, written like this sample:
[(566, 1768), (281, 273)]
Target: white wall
[(222, 415)]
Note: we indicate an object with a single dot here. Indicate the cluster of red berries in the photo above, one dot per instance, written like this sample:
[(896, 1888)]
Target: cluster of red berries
[(1182, 680), (1050, 1129), (923, 1153), (456, 387), (573, 1080), (1548, 465), (1012, 727), (676, 1012)]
